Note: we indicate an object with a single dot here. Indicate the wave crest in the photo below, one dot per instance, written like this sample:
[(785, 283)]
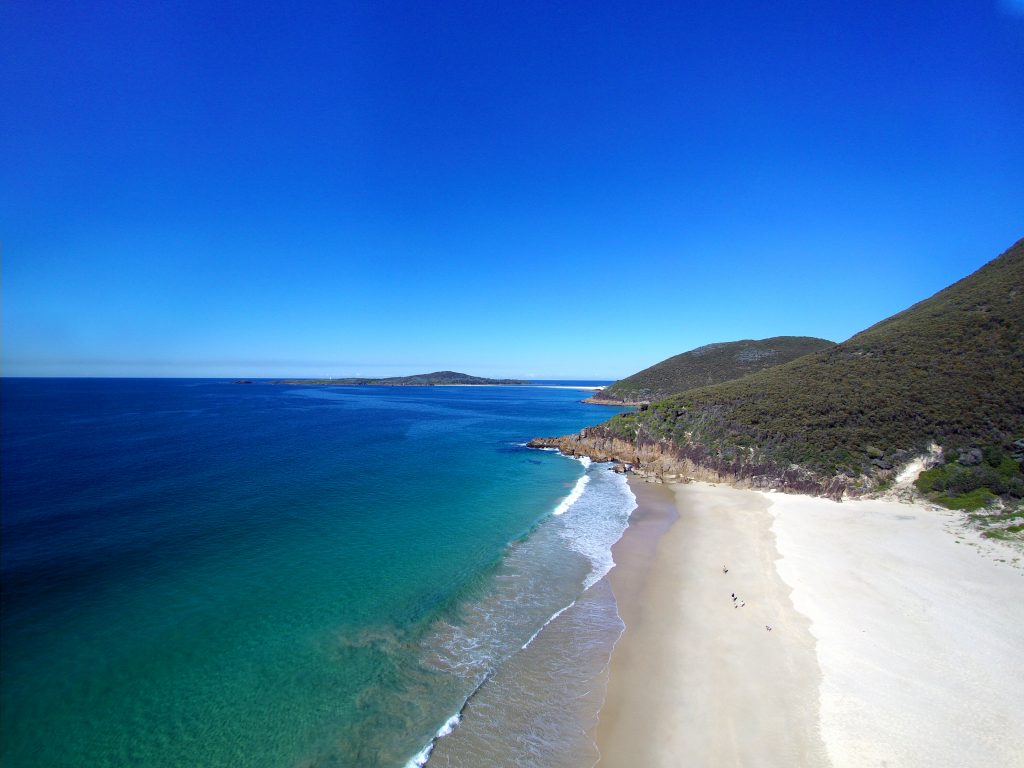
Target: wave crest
[(573, 497)]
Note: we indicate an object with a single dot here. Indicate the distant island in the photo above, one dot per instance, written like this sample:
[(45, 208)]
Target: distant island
[(436, 379)]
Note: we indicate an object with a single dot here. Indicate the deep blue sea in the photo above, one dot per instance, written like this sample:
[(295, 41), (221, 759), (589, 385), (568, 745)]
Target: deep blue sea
[(201, 573)]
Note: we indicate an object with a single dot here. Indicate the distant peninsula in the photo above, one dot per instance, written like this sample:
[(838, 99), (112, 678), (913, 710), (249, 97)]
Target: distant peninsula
[(436, 379)]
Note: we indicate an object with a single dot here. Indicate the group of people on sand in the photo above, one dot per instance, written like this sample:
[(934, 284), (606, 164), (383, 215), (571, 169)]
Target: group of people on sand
[(737, 603)]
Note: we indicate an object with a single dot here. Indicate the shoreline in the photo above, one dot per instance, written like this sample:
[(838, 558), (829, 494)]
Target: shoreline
[(692, 675), (892, 642), (299, 383), (539, 700), (634, 555)]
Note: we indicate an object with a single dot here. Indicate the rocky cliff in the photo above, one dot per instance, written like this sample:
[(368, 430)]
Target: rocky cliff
[(598, 399), (661, 461)]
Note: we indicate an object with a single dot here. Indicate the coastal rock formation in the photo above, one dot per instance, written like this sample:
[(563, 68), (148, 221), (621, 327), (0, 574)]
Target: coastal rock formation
[(947, 371), (597, 399), (661, 461)]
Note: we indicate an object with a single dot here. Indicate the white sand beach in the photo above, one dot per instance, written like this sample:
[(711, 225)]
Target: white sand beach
[(893, 641), (919, 632)]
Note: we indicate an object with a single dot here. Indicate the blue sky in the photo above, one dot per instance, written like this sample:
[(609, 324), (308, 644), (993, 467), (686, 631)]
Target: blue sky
[(535, 189)]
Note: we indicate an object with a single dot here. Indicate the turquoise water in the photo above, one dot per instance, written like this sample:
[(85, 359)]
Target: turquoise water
[(201, 573)]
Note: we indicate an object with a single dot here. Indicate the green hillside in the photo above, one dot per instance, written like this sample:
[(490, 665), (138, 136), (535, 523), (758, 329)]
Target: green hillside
[(711, 364), (949, 369)]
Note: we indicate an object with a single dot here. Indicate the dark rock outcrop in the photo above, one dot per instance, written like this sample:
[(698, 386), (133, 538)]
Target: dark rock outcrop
[(970, 457)]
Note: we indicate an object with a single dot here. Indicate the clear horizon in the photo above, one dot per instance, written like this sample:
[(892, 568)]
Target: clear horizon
[(271, 378), (526, 191)]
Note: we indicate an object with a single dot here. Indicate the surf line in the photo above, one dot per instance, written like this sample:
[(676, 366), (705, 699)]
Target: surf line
[(423, 756), (420, 758), (577, 490)]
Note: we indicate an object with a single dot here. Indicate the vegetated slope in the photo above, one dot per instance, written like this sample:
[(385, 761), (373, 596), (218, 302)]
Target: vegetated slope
[(949, 369), (438, 378), (710, 364)]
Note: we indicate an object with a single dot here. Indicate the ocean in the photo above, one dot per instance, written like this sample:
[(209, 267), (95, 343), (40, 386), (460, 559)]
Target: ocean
[(201, 573)]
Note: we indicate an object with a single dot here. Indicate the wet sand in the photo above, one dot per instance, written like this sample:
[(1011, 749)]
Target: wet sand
[(693, 679)]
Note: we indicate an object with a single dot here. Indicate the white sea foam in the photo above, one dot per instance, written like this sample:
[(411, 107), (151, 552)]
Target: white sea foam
[(449, 725), (573, 497), (598, 521), (554, 616), (421, 757), (538, 573)]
